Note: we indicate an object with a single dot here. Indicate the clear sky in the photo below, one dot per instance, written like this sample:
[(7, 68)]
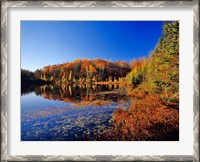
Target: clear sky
[(52, 42)]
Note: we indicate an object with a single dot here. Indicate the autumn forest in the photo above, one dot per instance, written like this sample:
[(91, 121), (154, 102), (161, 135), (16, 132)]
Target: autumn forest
[(108, 100)]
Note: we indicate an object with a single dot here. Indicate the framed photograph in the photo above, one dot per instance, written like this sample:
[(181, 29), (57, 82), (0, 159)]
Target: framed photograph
[(99, 80)]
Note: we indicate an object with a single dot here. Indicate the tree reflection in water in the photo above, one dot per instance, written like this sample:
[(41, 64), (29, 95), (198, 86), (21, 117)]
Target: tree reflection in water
[(78, 93), (88, 118)]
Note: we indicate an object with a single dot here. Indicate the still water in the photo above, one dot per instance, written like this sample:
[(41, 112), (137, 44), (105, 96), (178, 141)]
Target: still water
[(70, 112)]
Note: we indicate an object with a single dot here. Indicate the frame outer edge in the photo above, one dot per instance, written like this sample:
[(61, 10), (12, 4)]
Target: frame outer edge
[(121, 4), (196, 81), (4, 86), (4, 81)]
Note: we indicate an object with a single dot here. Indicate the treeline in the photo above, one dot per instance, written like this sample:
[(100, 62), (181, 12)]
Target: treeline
[(28, 77), (159, 74), (84, 70)]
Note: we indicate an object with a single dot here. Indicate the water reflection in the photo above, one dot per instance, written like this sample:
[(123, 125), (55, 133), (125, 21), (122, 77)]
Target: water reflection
[(76, 93), (70, 112)]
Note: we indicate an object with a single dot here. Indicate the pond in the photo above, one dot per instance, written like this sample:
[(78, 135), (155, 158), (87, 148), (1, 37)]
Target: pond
[(70, 112)]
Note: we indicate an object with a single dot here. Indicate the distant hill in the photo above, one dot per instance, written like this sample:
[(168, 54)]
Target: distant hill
[(84, 70)]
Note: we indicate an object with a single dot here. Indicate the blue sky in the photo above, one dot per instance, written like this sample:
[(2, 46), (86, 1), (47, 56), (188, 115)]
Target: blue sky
[(52, 42)]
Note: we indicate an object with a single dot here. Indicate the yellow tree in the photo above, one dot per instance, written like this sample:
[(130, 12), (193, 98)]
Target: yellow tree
[(85, 66), (92, 71)]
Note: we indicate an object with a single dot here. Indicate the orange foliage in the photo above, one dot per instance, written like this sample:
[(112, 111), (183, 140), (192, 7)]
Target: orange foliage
[(147, 119), (140, 92), (82, 69), (138, 64), (92, 69)]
